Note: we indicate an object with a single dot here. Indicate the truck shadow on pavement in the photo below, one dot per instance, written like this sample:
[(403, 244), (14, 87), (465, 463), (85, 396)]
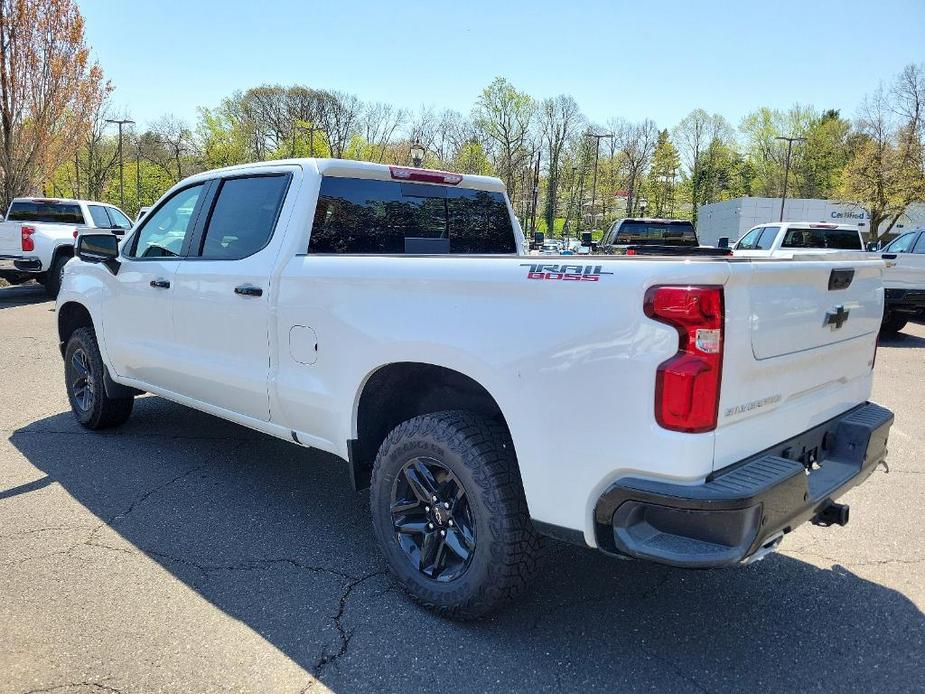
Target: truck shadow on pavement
[(22, 295), (273, 535)]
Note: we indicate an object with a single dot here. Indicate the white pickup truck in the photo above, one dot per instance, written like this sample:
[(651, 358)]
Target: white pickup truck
[(789, 239), (904, 280), (37, 237), (383, 314)]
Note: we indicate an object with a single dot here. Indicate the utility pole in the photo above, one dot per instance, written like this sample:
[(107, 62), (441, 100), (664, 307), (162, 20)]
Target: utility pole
[(120, 123), (137, 175), (789, 141), (536, 191), (597, 152)]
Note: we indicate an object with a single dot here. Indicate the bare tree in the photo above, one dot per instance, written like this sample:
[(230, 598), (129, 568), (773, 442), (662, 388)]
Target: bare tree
[(339, 116), (636, 143), (379, 122), (165, 145), (560, 119), (49, 89), (694, 135)]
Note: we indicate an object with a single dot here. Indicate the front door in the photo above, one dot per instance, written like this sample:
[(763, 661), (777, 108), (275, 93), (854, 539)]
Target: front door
[(221, 295), (137, 315)]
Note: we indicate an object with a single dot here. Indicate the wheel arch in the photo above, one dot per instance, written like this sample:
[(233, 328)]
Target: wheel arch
[(71, 316), (398, 391)]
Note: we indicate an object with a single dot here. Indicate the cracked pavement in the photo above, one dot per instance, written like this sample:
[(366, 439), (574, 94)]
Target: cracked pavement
[(182, 553)]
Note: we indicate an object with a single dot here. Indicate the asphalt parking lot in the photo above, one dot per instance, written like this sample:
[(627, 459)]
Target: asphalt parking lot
[(182, 553)]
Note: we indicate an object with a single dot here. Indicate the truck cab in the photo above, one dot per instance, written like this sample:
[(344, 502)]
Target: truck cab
[(904, 280), (788, 239)]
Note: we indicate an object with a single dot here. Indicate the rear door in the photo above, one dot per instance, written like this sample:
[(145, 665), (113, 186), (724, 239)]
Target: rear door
[(800, 337), (221, 294)]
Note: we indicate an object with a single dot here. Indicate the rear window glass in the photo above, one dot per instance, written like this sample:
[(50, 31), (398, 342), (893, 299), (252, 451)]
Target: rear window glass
[(662, 233), (391, 217), (842, 239), (45, 211)]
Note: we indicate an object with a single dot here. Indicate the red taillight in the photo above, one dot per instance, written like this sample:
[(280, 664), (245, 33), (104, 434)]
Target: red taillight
[(687, 385), (28, 244), (425, 175), (75, 233)]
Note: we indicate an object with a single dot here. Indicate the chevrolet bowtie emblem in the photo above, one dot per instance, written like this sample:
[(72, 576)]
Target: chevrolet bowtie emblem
[(836, 317)]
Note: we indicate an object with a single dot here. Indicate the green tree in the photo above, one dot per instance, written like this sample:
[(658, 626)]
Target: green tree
[(504, 115), (660, 183)]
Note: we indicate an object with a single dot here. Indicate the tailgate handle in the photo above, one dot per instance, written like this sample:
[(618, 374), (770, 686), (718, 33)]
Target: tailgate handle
[(840, 278)]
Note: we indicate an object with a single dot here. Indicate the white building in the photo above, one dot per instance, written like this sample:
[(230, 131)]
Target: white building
[(733, 218)]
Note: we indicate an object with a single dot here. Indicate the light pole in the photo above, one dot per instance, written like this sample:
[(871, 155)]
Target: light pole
[(597, 152), (417, 153), (790, 141), (120, 123)]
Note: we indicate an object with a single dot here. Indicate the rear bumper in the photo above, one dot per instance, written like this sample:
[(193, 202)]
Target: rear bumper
[(18, 263), (743, 510), (905, 300)]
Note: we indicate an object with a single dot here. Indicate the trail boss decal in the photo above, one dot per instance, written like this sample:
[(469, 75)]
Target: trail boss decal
[(573, 273)]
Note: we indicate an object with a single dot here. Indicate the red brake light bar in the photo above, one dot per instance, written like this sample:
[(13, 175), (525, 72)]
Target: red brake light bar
[(404, 173)]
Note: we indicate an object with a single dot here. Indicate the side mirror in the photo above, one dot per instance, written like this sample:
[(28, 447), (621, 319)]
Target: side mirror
[(586, 238), (873, 246), (539, 237), (99, 248), (723, 242)]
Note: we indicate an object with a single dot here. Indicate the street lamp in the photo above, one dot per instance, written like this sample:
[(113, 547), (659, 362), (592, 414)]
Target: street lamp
[(790, 141), (417, 153), (643, 204), (120, 123)]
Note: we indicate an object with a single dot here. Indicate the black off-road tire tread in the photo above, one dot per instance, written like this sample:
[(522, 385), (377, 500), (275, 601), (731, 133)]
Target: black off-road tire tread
[(893, 323), (107, 412), (53, 277), (485, 447)]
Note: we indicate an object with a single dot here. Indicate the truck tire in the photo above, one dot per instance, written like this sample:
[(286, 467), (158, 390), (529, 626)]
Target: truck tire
[(86, 391), (55, 275), (474, 548), (892, 323)]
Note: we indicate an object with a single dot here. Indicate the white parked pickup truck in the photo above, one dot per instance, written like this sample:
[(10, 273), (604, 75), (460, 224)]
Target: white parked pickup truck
[(37, 238), (383, 314), (904, 280), (789, 239)]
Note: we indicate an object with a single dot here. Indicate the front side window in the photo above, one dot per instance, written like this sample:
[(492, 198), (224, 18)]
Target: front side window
[(747, 242), (119, 220), (165, 229), (901, 244), (243, 216), (363, 216)]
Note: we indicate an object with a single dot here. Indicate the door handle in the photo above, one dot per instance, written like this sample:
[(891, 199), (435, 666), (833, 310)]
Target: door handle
[(248, 290), (160, 284), (889, 256)]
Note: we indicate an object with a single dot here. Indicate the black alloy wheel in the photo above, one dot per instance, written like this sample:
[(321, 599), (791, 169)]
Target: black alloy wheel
[(432, 519), (80, 380)]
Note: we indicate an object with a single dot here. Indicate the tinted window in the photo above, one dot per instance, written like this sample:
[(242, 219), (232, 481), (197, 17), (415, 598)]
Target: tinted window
[(661, 233), (747, 242), (119, 220), (920, 246), (100, 218), (243, 216), (842, 239), (766, 240), (164, 230), (45, 211), (390, 217), (901, 244)]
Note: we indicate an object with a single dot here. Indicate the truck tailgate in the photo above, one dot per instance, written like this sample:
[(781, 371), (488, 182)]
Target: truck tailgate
[(799, 348)]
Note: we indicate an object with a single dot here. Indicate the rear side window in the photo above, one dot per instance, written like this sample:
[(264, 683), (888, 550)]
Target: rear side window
[(100, 218), (841, 239), (46, 211), (920, 245), (243, 216), (361, 216), (766, 240)]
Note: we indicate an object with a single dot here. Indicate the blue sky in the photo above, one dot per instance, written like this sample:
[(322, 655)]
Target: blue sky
[(633, 60)]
